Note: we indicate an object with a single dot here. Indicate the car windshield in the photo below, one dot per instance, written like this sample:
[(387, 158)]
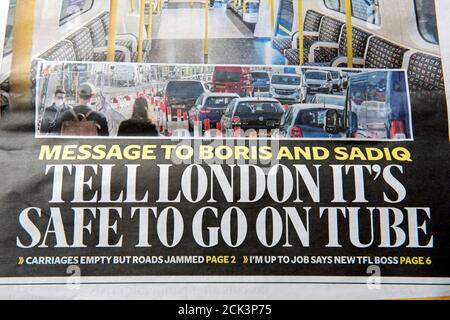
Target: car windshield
[(260, 75), (316, 76), (335, 74), (184, 89), (287, 80), (332, 100), (227, 76), (314, 117), (259, 108), (218, 102)]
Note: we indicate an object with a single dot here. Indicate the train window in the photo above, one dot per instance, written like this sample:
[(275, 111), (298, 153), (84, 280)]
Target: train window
[(333, 5), (7, 46), (426, 20), (367, 10), (285, 18), (73, 8)]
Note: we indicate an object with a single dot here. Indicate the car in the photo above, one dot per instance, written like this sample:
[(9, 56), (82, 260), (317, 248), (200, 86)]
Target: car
[(260, 82), (329, 99), (288, 88), (377, 107), (319, 81), (210, 106), (307, 121), (338, 80), (182, 94), (253, 113)]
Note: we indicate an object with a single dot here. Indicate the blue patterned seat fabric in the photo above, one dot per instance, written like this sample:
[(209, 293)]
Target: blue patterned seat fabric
[(425, 73), (360, 38), (63, 51), (84, 48), (312, 24), (104, 18), (99, 37), (330, 30), (82, 43), (102, 56), (382, 54)]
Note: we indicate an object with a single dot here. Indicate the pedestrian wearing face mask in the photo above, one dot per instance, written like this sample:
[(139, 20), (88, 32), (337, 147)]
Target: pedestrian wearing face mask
[(51, 120)]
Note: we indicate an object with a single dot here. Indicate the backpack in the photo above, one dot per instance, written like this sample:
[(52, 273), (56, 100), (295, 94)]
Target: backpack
[(80, 127)]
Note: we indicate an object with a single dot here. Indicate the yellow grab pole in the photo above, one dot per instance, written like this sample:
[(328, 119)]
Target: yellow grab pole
[(132, 6), (234, 3), (300, 32), (112, 30), (244, 7), (141, 29), (206, 46), (159, 6), (150, 21), (22, 50), (348, 10), (272, 14)]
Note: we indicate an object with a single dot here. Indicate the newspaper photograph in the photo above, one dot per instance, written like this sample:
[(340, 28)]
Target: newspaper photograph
[(225, 149)]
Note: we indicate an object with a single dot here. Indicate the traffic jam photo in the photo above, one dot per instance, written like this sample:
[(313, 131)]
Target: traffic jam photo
[(208, 101)]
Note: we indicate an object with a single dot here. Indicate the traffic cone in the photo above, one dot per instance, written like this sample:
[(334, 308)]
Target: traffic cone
[(206, 125), (219, 129), (237, 132), (286, 107), (197, 127)]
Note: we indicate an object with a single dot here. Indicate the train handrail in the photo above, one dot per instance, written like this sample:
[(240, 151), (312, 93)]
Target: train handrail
[(348, 12), (141, 30), (113, 5), (301, 46), (150, 21)]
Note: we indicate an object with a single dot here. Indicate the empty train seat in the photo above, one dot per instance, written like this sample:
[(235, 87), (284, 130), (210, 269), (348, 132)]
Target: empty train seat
[(62, 51), (99, 37), (85, 50), (320, 56), (128, 40), (311, 24), (424, 72), (383, 54), (330, 30)]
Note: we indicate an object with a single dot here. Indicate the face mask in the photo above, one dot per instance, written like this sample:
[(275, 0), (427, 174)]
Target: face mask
[(59, 102)]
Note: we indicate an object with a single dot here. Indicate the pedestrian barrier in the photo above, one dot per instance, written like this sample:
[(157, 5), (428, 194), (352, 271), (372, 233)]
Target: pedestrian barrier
[(168, 126)]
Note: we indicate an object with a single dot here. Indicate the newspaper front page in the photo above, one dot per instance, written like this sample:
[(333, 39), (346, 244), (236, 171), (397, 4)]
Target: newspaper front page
[(210, 150)]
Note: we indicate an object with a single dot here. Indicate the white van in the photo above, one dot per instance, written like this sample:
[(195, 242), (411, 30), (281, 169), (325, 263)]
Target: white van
[(288, 88)]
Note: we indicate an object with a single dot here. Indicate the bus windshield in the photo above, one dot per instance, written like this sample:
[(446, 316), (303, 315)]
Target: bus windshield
[(227, 76)]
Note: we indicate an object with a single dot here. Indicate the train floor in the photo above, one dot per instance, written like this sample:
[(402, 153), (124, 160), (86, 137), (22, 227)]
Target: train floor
[(178, 37)]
